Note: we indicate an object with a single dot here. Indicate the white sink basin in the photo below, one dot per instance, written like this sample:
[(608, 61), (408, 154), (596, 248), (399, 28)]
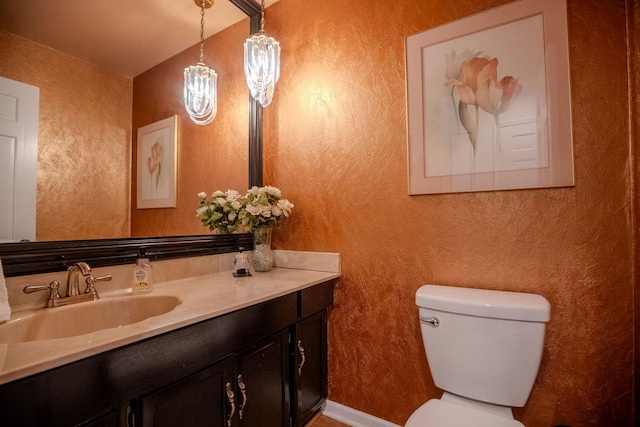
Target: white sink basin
[(84, 318)]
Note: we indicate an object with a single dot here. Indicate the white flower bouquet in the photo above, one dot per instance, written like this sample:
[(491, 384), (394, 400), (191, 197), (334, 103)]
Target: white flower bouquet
[(221, 211), (264, 207)]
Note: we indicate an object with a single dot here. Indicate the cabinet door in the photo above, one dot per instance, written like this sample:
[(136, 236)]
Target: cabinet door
[(110, 419), (197, 400), (262, 383), (310, 370)]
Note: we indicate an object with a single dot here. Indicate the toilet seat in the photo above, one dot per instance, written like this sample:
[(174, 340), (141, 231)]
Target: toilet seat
[(438, 413)]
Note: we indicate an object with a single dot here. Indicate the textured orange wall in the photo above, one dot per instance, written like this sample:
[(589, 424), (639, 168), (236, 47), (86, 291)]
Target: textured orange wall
[(84, 141), (211, 157), (634, 74), (335, 143)]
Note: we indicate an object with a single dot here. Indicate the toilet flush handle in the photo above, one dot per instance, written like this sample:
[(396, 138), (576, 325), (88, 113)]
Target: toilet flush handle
[(431, 320)]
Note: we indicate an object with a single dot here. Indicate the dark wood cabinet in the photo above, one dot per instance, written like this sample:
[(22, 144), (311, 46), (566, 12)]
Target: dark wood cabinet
[(240, 369), (263, 383), (250, 388), (198, 400), (310, 370), (110, 419)]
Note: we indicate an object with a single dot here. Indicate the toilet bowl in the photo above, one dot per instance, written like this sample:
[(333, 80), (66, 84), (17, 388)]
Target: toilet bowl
[(439, 412), (484, 350)]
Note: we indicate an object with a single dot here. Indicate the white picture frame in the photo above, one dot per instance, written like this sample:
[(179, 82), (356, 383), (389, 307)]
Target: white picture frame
[(157, 166), (489, 103)]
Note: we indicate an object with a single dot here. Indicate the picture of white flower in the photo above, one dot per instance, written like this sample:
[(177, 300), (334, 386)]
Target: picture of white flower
[(157, 164), (477, 87), (489, 101)]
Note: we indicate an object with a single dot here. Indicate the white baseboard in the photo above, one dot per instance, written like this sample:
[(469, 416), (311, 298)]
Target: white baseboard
[(352, 417)]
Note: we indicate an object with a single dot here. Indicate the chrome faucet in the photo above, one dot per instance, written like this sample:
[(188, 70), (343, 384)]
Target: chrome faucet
[(73, 287)]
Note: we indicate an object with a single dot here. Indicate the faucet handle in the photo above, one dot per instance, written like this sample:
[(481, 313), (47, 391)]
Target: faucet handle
[(91, 289), (54, 295)]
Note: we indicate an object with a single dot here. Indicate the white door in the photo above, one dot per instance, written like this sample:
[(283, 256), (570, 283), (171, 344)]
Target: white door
[(19, 107)]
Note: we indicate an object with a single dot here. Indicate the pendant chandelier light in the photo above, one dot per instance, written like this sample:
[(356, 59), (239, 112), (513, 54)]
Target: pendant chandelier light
[(262, 64), (200, 92)]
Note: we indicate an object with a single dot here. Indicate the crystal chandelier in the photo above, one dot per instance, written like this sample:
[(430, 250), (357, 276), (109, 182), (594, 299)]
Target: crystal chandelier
[(200, 93), (262, 64)]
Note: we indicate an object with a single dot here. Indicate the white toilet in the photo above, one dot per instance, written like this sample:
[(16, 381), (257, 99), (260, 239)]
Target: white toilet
[(484, 350)]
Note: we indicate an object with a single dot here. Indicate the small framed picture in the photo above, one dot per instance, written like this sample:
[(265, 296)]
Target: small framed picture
[(157, 164)]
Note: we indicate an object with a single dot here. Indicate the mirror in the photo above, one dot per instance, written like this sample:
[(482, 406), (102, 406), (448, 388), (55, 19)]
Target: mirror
[(91, 207)]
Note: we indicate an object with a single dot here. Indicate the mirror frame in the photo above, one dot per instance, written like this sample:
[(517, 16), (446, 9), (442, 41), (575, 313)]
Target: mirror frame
[(19, 259)]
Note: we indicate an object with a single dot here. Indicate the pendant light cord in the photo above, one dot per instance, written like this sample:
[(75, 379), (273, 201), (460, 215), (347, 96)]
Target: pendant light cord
[(202, 32), (262, 17)]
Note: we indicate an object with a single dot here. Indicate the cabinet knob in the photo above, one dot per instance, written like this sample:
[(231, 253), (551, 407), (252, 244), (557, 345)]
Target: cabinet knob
[(131, 416), (231, 399), (243, 390), (301, 350)]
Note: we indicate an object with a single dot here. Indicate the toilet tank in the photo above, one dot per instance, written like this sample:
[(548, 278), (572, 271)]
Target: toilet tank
[(487, 345)]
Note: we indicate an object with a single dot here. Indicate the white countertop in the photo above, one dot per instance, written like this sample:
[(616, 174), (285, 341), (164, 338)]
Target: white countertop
[(202, 297)]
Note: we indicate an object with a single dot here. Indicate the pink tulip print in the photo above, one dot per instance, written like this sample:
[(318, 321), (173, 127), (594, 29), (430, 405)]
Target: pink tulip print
[(154, 162), (473, 79), (487, 100), (157, 146)]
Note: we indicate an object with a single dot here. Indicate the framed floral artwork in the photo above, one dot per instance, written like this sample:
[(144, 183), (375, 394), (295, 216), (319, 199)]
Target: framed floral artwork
[(157, 164), (488, 101)]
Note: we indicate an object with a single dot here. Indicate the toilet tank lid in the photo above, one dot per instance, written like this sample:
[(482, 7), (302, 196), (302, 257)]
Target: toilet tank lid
[(484, 303)]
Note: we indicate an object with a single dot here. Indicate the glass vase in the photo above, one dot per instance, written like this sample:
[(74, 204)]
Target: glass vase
[(262, 252)]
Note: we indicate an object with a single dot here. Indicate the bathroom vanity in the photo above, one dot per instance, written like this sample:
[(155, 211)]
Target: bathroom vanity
[(235, 352)]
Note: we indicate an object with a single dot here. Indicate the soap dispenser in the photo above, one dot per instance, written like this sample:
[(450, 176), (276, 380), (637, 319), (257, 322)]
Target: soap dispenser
[(142, 274), (241, 265)]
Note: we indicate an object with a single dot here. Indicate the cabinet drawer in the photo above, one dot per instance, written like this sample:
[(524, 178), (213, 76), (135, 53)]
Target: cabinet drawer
[(197, 400), (315, 299)]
